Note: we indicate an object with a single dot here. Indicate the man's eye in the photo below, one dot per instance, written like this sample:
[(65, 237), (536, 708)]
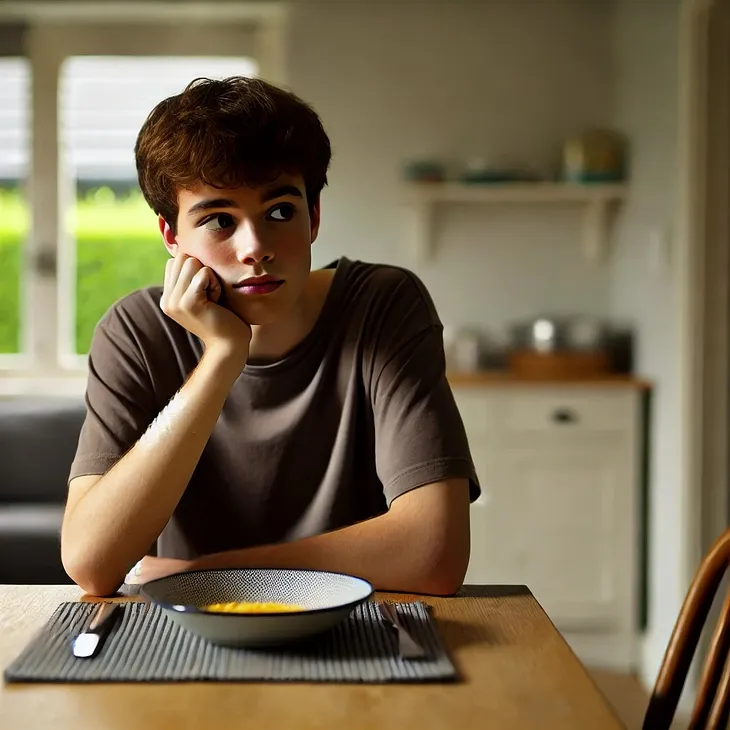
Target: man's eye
[(219, 222), (283, 212)]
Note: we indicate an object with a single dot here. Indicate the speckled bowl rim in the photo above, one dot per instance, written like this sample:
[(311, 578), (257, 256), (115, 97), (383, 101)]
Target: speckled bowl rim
[(182, 608)]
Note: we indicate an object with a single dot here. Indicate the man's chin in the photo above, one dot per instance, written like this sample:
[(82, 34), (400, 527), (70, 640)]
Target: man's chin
[(257, 316)]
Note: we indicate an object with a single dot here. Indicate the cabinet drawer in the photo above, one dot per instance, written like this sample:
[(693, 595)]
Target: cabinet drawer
[(569, 411)]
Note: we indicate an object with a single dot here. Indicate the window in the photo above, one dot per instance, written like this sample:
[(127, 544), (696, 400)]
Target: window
[(75, 232), (112, 243), (14, 215)]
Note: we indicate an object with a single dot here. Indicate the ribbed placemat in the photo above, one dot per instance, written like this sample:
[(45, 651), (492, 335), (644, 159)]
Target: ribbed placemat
[(146, 646)]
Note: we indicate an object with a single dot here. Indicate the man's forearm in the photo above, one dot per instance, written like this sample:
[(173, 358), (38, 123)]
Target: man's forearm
[(395, 551), (115, 522)]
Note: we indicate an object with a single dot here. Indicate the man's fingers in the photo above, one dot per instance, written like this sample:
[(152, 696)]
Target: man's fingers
[(168, 273), (201, 281), (214, 288), (135, 574), (178, 263), (150, 568), (199, 289), (166, 287), (188, 271), (206, 280), (173, 267), (190, 289)]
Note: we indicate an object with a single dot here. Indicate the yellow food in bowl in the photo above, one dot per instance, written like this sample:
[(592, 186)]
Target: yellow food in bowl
[(253, 607)]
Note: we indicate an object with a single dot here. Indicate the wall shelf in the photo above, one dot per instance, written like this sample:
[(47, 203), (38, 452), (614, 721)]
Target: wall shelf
[(597, 201)]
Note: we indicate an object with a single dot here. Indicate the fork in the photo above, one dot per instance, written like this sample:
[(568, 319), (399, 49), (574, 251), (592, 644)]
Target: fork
[(408, 647)]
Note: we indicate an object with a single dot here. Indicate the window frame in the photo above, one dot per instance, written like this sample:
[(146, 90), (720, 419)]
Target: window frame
[(54, 32)]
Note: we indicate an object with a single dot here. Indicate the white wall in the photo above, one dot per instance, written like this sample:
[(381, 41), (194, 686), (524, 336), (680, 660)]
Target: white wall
[(646, 58), (460, 79), (501, 80)]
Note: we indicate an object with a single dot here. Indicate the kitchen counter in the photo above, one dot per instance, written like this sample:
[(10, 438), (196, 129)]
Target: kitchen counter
[(494, 378)]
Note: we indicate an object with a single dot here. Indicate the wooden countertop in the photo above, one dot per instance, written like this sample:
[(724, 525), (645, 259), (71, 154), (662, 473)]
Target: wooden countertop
[(517, 671), (502, 378)]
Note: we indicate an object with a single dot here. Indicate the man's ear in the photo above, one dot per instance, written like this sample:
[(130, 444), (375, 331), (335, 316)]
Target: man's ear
[(167, 235), (314, 220)]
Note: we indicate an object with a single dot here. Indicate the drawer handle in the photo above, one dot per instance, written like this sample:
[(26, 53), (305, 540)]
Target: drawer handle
[(564, 415)]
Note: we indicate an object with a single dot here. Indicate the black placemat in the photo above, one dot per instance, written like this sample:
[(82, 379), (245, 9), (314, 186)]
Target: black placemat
[(146, 646)]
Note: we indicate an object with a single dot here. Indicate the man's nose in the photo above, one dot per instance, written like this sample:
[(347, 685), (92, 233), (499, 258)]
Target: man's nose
[(251, 246)]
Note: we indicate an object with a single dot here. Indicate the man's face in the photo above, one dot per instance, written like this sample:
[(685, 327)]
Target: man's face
[(256, 240)]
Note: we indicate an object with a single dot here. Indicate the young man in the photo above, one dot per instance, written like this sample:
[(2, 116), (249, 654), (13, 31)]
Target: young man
[(252, 412)]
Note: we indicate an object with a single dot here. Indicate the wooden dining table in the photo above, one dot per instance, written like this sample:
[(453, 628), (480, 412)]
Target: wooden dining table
[(515, 671)]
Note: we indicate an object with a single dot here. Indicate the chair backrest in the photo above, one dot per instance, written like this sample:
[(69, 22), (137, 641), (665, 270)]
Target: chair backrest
[(711, 706)]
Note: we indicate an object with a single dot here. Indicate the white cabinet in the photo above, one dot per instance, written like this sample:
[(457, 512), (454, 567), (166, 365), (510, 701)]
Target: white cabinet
[(560, 475)]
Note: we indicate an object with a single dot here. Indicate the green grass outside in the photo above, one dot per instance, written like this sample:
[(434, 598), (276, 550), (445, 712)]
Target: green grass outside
[(118, 250)]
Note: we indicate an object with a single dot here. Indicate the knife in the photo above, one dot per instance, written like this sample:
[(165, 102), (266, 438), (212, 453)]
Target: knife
[(408, 647), (87, 644)]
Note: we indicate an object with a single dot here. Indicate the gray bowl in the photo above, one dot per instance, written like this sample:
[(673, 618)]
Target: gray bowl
[(327, 599)]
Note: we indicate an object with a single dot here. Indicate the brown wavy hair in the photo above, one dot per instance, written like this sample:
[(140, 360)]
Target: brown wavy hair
[(228, 133)]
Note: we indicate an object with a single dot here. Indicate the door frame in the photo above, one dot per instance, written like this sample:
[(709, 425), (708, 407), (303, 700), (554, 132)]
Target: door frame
[(703, 275)]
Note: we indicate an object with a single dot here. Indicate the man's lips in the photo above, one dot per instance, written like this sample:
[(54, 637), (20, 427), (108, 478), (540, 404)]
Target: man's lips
[(258, 285)]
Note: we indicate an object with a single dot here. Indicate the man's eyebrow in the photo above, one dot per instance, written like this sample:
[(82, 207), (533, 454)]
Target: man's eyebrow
[(211, 203), (271, 194), (280, 192)]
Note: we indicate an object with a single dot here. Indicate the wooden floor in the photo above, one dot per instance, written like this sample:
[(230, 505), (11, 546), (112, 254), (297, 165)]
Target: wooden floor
[(628, 697)]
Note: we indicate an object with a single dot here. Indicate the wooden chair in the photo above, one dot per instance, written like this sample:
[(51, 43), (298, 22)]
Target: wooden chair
[(711, 707)]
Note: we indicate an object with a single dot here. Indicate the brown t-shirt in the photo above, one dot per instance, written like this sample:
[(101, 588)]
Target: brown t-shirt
[(355, 415)]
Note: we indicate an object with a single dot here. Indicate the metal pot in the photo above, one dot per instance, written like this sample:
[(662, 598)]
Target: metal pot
[(551, 334)]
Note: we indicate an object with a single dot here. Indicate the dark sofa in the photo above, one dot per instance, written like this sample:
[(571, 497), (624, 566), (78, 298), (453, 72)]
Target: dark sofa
[(38, 437)]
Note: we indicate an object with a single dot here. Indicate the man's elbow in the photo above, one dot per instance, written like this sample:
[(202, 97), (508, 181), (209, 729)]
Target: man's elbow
[(442, 582), (92, 579), (444, 574)]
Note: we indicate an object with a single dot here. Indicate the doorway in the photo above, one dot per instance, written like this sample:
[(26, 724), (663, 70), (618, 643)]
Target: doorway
[(704, 277), (706, 268)]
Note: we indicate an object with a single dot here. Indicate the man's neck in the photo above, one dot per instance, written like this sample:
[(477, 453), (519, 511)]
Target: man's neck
[(272, 342)]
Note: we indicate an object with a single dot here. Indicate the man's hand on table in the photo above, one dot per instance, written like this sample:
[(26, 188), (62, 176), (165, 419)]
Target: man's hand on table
[(151, 568)]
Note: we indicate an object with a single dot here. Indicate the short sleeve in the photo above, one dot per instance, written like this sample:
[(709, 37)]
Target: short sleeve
[(419, 434), (120, 399)]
